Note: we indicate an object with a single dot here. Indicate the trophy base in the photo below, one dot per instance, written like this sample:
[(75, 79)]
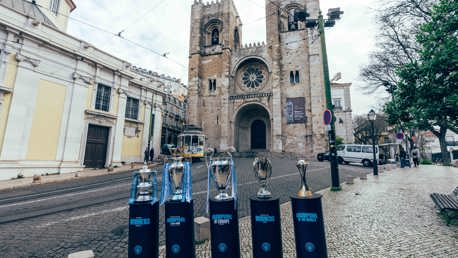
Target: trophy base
[(177, 196), (224, 228), (143, 229), (266, 228), (144, 198), (223, 197), (179, 229), (263, 194), (309, 226)]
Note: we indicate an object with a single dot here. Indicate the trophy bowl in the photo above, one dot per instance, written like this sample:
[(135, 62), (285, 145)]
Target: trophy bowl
[(176, 173), (144, 186), (221, 171), (262, 168), (304, 190)]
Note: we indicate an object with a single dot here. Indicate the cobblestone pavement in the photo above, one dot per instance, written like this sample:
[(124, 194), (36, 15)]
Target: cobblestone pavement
[(390, 215), (103, 228)]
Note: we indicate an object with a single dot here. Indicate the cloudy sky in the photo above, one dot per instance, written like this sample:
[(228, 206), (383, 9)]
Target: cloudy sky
[(151, 28)]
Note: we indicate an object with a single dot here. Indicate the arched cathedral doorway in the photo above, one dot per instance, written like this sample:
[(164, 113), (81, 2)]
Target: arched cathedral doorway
[(258, 134), (252, 128)]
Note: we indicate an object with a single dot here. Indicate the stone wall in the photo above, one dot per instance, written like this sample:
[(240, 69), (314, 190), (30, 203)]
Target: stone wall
[(284, 52)]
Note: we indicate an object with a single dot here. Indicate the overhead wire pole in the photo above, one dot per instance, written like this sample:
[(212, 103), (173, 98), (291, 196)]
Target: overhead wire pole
[(320, 23), (332, 132)]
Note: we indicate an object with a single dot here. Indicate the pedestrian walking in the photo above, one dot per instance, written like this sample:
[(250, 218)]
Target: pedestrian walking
[(151, 154), (146, 155), (402, 156), (415, 156)]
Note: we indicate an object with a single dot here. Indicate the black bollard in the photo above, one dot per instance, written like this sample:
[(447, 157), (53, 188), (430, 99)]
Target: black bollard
[(309, 227), (179, 229), (143, 229), (224, 228), (266, 228)]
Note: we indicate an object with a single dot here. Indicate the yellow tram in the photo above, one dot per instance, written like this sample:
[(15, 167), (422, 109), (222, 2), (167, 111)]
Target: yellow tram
[(191, 143)]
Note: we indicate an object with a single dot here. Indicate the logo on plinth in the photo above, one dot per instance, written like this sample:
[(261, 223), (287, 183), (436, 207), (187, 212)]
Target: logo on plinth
[(222, 247), (176, 248), (266, 247)]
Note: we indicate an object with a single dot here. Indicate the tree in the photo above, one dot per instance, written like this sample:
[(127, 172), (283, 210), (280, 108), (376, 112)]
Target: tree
[(426, 95), (399, 22), (363, 128)]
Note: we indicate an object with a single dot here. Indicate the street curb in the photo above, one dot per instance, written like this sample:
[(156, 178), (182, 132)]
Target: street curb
[(66, 177)]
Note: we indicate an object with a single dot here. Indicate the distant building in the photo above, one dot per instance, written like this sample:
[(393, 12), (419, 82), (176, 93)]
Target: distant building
[(340, 94), (174, 119), (431, 146), (66, 105)]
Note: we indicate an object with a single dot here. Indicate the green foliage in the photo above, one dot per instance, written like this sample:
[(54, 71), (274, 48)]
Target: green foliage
[(339, 140), (426, 162), (426, 95)]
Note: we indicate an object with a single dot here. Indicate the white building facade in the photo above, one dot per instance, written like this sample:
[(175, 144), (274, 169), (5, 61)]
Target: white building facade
[(340, 94), (64, 104)]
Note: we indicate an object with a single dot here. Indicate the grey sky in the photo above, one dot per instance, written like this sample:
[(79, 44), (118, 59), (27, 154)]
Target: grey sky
[(162, 26)]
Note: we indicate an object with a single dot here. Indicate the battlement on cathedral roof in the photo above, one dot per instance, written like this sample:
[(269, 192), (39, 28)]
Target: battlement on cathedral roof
[(253, 45), (208, 3)]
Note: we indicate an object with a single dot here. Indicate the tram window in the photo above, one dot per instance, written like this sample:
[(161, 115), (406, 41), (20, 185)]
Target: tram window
[(201, 140), (187, 140), (180, 141), (195, 141)]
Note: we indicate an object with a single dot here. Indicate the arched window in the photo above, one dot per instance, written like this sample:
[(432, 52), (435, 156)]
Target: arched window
[(291, 77), (236, 38), (212, 29), (292, 21), (215, 37), (296, 78)]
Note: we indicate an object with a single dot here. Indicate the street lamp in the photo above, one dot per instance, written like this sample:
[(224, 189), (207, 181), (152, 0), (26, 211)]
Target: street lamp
[(320, 23), (371, 116)]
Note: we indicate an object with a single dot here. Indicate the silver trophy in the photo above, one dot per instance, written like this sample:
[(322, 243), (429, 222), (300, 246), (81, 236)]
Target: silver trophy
[(305, 190), (176, 174), (144, 185), (262, 168), (220, 168)]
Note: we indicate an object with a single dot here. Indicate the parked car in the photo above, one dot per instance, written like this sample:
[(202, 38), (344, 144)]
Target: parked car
[(358, 153), (322, 156)]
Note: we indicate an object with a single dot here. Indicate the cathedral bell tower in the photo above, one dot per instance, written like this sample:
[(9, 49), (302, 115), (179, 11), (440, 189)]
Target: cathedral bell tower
[(215, 34)]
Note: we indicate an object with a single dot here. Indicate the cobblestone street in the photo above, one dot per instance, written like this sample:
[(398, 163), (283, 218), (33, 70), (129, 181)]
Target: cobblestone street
[(388, 216), (103, 228)]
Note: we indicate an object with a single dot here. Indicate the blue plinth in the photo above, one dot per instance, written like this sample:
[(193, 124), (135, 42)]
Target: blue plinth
[(179, 229), (309, 227), (266, 228), (143, 230)]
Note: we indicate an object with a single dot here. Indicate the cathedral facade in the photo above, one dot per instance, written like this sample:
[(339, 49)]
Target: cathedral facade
[(262, 96)]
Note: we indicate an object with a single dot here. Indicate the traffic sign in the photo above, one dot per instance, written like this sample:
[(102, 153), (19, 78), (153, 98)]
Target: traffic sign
[(327, 117)]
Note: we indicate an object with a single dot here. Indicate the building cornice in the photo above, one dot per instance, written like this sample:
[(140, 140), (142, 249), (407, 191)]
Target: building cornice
[(71, 4)]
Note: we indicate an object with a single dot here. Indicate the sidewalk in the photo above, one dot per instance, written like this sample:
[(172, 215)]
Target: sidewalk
[(390, 215), (88, 172)]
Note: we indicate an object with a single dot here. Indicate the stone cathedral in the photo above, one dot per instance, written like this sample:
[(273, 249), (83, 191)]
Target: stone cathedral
[(261, 96)]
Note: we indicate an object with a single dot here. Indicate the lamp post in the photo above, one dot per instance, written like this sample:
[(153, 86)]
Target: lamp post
[(320, 23), (371, 116)]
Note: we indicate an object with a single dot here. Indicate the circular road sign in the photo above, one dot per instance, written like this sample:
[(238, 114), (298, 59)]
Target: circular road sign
[(327, 117)]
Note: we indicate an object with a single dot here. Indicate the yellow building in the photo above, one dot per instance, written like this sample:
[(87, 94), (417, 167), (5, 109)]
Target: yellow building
[(64, 104)]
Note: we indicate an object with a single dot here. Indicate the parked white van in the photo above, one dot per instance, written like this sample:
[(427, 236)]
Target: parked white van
[(358, 153)]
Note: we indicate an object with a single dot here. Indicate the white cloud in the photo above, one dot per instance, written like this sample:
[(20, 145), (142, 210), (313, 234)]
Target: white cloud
[(162, 26)]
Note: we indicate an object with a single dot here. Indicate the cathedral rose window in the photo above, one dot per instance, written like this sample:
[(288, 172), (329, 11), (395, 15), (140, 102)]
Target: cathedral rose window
[(252, 78)]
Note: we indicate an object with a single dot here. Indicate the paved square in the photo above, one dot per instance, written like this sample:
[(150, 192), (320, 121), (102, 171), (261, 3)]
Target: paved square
[(388, 216)]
